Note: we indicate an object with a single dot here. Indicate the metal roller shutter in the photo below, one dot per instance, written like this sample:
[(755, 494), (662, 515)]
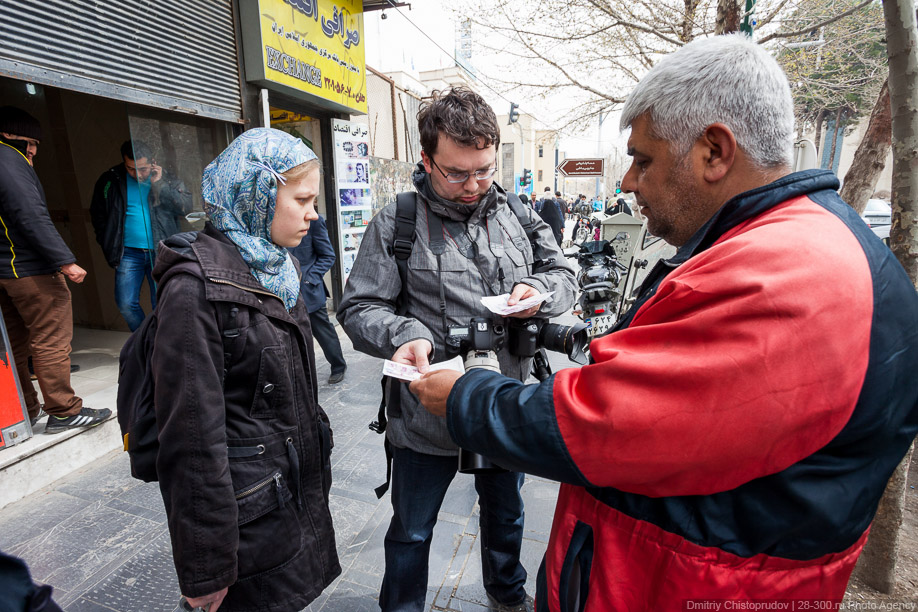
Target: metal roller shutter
[(173, 54)]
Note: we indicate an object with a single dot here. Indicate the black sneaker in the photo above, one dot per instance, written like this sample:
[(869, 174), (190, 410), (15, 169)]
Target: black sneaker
[(86, 418), (336, 377), (524, 606), (39, 416)]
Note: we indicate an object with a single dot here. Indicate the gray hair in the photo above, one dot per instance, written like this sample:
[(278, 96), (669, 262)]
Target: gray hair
[(725, 79)]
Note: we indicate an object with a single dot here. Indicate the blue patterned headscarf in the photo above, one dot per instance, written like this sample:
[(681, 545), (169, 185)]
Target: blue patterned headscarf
[(240, 193)]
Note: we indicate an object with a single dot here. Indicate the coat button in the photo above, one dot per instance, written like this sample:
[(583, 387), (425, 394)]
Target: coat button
[(268, 388)]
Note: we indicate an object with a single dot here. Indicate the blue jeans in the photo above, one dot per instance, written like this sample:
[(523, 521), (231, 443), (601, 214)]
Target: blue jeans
[(419, 483), (135, 265)]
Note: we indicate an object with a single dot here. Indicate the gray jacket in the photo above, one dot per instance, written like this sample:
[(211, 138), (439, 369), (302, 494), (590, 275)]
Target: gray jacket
[(367, 310)]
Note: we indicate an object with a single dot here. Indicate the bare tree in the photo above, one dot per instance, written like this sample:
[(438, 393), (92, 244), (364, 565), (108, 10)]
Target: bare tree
[(870, 157), (592, 52), (902, 42), (878, 561)]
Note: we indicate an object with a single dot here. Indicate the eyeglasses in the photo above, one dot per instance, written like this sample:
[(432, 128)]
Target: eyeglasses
[(461, 177)]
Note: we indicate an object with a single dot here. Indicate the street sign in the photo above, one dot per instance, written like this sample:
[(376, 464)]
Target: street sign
[(582, 167)]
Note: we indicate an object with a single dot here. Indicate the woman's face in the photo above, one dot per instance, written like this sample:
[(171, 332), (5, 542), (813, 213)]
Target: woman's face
[(295, 208)]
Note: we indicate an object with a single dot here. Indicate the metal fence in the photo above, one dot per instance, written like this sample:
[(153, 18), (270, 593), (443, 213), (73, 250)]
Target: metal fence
[(392, 119)]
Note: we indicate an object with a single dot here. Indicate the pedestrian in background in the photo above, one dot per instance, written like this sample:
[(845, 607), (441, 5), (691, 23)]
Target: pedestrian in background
[(35, 264), (135, 204), (316, 257), (550, 211)]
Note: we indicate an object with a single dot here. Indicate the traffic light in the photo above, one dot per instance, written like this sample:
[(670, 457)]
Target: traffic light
[(526, 179), (514, 114), (618, 186)]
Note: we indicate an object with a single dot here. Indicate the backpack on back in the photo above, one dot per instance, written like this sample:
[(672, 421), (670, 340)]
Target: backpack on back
[(135, 403)]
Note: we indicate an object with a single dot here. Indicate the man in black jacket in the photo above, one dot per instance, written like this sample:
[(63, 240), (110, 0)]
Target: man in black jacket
[(134, 206), (620, 206), (34, 296)]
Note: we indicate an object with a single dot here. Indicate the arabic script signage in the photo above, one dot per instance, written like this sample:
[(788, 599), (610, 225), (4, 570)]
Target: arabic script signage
[(355, 202), (311, 47), (582, 167)]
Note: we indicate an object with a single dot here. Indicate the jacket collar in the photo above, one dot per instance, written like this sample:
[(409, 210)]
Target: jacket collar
[(752, 203), (230, 279), (738, 209)]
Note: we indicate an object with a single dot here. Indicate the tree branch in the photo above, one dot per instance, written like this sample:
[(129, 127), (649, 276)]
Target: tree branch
[(815, 26)]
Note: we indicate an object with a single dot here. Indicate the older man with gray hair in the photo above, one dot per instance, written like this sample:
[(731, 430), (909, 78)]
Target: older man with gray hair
[(735, 431)]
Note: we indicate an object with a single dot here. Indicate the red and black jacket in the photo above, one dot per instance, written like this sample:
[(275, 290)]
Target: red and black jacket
[(734, 434)]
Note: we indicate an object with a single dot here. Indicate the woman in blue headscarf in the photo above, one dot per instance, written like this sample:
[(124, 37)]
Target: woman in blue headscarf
[(244, 445)]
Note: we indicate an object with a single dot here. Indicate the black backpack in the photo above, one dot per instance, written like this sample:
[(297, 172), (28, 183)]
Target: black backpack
[(136, 411)]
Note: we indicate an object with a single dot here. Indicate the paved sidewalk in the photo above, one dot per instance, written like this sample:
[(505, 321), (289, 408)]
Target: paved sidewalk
[(100, 537)]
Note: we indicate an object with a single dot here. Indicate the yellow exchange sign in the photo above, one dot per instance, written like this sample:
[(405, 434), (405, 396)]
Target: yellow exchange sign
[(312, 46)]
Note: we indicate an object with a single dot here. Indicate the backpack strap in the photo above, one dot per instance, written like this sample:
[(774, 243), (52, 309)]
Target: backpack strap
[(519, 209), (403, 242)]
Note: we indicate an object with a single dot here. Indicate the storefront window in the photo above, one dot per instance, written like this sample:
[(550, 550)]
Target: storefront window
[(170, 155)]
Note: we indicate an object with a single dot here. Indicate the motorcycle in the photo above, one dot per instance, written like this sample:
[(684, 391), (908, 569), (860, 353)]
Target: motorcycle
[(599, 277), (586, 227)]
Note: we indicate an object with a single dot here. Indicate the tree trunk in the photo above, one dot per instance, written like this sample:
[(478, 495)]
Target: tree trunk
[(902, 49), (728, 16), (819, 118), (838, 116), (870, 157)]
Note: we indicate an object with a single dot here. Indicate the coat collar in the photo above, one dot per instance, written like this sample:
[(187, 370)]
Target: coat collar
[(752, 203)]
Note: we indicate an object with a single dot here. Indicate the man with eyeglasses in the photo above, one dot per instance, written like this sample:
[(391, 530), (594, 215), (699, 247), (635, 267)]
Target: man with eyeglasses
[(467, 243), (134, 206)]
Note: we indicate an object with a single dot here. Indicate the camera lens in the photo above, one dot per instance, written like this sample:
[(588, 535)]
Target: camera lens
[(571, 340)]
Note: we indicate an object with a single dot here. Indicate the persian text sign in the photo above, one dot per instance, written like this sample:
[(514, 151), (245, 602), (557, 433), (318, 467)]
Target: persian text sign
[(582, 167), (316, 47)]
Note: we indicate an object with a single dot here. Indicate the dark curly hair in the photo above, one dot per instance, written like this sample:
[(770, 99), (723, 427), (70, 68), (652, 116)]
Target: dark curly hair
[(460, 114)]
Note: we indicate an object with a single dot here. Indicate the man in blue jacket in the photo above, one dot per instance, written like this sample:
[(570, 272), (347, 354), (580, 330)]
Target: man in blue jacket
[(316, 257)]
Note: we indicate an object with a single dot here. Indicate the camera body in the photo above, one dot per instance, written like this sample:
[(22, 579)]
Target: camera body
[(479, 335), (480, 340)]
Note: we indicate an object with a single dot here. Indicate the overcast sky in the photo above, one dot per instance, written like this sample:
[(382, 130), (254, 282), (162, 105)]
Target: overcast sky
[(397, 43)]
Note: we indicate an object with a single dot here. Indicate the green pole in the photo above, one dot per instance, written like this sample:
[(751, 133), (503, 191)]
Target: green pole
[(748, 23)]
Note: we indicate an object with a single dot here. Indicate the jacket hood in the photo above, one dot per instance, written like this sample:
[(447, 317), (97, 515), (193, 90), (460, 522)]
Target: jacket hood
[(215, 253), (454, 210)]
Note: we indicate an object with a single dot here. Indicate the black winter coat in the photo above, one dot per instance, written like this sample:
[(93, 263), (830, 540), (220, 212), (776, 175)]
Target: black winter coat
[(29, 243), (244, 445), (551, 214), (169, 201)]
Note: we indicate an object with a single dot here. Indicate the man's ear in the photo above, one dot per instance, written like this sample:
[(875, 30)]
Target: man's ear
[(426, 160), (719, 149)]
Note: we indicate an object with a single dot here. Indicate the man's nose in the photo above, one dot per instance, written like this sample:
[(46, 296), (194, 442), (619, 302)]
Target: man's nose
[(629, 184), (471, 183)]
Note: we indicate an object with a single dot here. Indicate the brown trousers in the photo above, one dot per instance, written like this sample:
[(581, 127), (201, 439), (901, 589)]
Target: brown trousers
[(39, 321)]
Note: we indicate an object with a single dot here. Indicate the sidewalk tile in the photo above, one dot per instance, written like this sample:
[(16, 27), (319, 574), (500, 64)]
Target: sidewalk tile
[(147, 581)]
